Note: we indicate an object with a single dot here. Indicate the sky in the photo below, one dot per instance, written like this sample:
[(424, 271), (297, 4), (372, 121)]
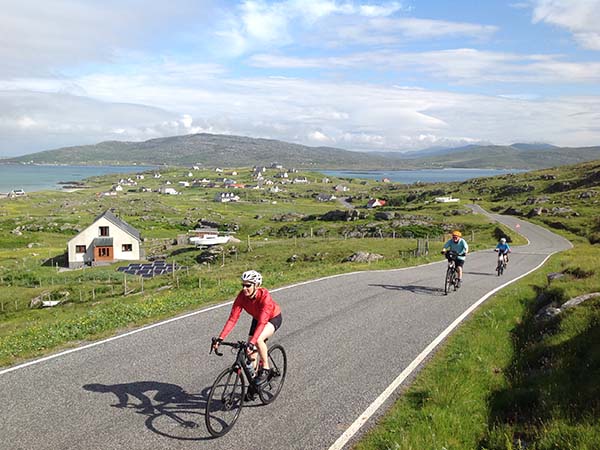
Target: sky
[(358, 75)]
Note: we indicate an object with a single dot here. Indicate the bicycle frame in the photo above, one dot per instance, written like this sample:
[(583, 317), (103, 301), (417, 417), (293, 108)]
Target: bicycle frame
[(241, 359)]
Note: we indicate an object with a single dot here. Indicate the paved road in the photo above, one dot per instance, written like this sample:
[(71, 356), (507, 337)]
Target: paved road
[(347, 338)]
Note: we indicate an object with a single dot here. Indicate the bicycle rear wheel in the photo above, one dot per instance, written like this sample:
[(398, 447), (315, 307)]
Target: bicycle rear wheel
[(225, 402), (500, 268), (269, 391)]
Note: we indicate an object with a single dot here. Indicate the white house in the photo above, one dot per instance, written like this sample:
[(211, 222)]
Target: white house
[(168, 190), (446, 200), (224, 197), (106, 240)]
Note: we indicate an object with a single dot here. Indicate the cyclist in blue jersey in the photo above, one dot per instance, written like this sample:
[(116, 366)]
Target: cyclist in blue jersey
[(503, 249), (458, 245)]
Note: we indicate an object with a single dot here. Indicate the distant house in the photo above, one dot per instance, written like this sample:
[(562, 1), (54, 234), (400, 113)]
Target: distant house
[(375, 202), (219, 170), (325, 197), (385, 180), (447, 200), (184, 183), (168, 190), (225, 197), (139, 176), (300, 180), (276, 165), (16, 193), (106, 240), (157, 175), (341, 188)]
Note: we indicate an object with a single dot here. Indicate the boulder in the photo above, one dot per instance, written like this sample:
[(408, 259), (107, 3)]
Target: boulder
[(362, 257)]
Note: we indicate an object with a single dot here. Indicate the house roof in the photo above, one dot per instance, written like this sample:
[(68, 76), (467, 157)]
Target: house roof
[(108, 215)]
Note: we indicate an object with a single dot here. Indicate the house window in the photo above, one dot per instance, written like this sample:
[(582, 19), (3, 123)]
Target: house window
[(104, 231), (80, 249), (104, 252), (127, 247)]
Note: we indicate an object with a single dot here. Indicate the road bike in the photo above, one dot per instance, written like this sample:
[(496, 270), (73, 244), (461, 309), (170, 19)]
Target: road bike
[(501, 266), (451, 279), (228, 392)]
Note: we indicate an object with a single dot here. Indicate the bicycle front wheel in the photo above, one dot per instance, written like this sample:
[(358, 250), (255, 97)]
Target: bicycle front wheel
[(269, 391), (448, 281), (225, 402)]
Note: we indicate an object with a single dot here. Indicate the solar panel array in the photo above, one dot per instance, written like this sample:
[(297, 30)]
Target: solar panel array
[(149, 270)]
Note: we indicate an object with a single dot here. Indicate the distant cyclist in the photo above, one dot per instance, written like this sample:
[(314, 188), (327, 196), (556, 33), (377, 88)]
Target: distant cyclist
[(266, 319), (458, 245), (503, 249)]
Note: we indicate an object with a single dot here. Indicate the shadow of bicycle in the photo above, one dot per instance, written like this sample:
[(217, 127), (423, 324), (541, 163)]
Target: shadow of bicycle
[(415, 289), (169, 410)]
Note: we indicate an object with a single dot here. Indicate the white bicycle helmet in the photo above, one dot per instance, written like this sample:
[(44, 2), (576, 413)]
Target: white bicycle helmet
[(252, 276), (503, 240)]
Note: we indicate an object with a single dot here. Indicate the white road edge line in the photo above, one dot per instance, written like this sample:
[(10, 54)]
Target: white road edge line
[(373, 407), (185, 316)]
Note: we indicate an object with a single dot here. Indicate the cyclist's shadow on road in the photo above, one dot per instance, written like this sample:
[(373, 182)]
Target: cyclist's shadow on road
[(415, 289), (170, 411)]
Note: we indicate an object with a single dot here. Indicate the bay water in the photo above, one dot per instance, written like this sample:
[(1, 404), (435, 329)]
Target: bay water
[(32, 178)]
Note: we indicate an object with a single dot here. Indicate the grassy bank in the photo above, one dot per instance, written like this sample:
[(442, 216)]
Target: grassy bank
[(506, 380)]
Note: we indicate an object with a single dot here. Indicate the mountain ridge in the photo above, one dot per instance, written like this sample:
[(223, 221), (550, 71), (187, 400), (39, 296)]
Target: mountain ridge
[(211, 150)]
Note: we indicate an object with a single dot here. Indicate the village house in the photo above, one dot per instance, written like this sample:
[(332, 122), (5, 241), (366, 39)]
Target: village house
[(341, 188), (325, 197), (168, 190), (300, 180), (184, 183), (446, 200), (16, 193), (375, 202), (106, 240), (224, 197), (157, 175)]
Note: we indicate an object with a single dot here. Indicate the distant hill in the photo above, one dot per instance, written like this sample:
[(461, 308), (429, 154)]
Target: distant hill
[(212, 150), (208, 150), (516, 156)]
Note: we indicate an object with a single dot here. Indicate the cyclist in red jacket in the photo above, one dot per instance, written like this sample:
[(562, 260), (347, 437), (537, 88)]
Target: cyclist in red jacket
[(266, 314)]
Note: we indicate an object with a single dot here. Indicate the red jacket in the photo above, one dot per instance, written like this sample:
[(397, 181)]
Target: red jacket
[(262, 307)]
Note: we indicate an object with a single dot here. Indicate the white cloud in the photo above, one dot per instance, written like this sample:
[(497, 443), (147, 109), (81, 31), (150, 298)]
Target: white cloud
[(258, 24), (39, 39), (582, 18), (463, 65), (318, 136)]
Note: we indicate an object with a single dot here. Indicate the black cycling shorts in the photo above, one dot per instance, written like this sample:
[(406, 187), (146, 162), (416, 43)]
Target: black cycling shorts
[(459, 262), (276, 321)]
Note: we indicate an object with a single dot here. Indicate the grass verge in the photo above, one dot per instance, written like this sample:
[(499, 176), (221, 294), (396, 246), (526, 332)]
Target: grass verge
[(505, 380)]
